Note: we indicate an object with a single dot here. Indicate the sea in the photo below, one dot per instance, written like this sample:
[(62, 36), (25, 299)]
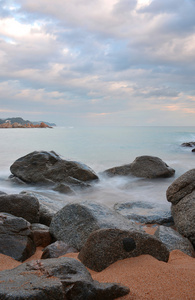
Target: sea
[(101, 148)]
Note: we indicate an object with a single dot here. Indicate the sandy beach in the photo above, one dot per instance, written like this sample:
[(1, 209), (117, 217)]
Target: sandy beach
[(146, 277)]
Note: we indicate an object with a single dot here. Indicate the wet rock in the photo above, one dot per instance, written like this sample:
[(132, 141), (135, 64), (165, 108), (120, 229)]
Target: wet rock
[(75, 222), (57, 249), (173, 240), (16, 238), (41, 235), (55, 279), (63, 188), (181, 193), (41, 167), (188, 144), (193, 150), (143, 212), (19, 205), (106, 246), (143, 166)]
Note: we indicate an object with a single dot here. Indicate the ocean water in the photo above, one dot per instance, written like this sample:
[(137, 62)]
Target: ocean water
[(101, 148)]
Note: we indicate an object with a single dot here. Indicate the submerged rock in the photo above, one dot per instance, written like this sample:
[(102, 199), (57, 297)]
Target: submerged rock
[(144, 212), (41, 167), (181, 193), (188, 144), (143, 166), (55, 279), (106, 246), (74, 222), (16, 238)]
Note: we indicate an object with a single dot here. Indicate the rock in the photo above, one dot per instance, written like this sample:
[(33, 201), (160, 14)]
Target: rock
[(57, 249), (106, 246), (181, 187), (189, 144), (75, 221), (181, 193), (16, 180), (46, 213), (41, 167), (55, 279), (19, 205), (2, 193), (143, 166), (143, 212), (184, 217), (173, 240), (63, 188), (16, 238), (193, 150), (41, 235)]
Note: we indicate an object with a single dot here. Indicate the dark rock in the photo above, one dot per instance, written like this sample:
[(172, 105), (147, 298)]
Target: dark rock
[(181, 187), (41, 235), (143, 166), (16, 238), (74, 222), (46, 213), (57, 249), (63, 188), (182, 195), (189, 144), (173, 240), (2, 193), (55, 279), (41, 167), (106, 246), (19, 205), (143, 212), (16, 180), (193, 150)]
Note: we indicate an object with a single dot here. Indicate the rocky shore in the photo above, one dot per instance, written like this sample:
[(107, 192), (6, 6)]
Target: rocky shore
[(89, 251), (29, 125)]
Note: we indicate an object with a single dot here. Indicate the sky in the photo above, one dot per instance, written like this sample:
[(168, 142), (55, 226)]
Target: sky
[(98, 63)]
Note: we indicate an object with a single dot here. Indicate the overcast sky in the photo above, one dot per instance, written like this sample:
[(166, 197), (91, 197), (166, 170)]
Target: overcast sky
[(98, 62)]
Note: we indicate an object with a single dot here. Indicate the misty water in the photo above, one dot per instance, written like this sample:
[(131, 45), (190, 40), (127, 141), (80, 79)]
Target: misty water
[(101, 148)]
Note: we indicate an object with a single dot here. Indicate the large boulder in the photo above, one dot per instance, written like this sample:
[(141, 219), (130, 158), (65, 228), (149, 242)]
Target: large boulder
[(143, 166), (41, 167), (74, 222), (55, 279), (105, 246), (145, 212), (181, 193), (16, 238), (19, 205), (174, 240)]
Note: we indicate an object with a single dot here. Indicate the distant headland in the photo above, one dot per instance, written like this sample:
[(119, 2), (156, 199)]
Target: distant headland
[(20, 123)]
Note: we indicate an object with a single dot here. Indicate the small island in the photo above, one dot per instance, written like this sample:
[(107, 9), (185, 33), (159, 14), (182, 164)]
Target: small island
[(20, 123)]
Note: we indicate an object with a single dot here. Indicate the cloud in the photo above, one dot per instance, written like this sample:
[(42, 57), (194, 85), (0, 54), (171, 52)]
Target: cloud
[(107, 59)]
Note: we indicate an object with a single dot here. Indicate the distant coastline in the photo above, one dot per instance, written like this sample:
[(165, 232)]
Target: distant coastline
[(18, 122)]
